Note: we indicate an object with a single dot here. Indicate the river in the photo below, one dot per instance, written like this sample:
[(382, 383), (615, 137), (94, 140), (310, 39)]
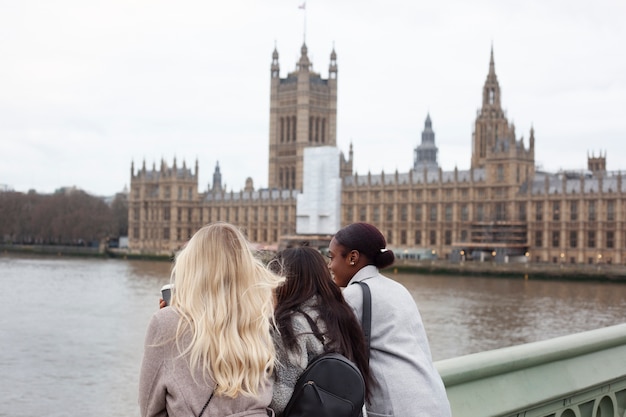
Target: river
[(72, 329)]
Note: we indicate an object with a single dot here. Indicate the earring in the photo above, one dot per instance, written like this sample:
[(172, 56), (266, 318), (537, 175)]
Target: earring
[(352, 263)]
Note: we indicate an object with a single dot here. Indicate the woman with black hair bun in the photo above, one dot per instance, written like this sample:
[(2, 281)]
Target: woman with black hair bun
[(407, 382)]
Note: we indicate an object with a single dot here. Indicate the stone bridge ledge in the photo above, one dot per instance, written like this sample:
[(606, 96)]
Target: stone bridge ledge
[(579, 375)]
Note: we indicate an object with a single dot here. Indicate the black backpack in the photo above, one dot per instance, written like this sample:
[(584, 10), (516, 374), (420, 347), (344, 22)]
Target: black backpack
[(330, 386)]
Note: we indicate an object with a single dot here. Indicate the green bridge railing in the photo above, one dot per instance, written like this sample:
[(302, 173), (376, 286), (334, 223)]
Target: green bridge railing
[(580, 375)]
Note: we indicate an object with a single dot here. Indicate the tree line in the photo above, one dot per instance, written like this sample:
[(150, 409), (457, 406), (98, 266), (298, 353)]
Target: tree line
[(66, 217)]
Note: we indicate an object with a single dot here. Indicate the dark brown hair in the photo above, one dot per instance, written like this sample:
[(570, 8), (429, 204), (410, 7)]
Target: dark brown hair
[(307, 276), (368, 240)]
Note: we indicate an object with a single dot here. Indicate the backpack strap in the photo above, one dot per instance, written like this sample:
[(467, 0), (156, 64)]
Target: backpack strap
[(314, 328), (366, 320)]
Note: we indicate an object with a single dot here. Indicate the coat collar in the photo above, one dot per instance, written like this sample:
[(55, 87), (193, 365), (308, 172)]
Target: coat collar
[(368, 271)]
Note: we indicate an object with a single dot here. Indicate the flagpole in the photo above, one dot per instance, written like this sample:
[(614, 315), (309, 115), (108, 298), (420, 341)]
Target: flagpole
[(303, 7)]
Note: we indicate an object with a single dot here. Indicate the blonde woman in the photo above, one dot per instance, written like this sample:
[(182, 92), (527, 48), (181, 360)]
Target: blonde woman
[(211, 353)]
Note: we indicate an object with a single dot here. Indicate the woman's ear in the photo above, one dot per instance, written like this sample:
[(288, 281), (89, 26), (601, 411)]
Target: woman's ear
[(353, 257)]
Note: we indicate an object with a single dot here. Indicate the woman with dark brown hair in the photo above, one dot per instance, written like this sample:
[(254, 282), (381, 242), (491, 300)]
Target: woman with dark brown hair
[(312, 318), (407, 383)]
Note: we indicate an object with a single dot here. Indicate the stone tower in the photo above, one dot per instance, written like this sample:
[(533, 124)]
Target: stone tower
[(303, 113), (425, 155), (495, 147)]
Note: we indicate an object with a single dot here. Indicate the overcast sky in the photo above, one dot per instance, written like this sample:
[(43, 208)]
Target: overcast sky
[(87, 87)]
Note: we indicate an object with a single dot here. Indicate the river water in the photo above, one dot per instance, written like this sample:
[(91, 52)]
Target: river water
[(72, 329)]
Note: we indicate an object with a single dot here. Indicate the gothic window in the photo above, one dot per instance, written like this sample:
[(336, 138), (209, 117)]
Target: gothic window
[(418, 212), (293, 128), (538, 239), (610, 239), (376, 214), (610, 210), (500, 173), (390, 213), (521, 212), (179, 215), (282, 130), (556, 211), (492, 95), (323, 130), (310, 129), (591, 211), (189, 214), (555, 239), (166, 233), (480, 212), (464, 212), (448, 237), (433, 237), (573, 210), (317, 129), (389, 236), (500, 211), (403, 212), (573, 238), (362, 213), (591, 239), (433, 212), (288, 129), (403, 237), (418, 237), (448, 214), (539, 211)]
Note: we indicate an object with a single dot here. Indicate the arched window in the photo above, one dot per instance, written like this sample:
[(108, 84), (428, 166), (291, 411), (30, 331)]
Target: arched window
[(323, 130), (293, 127)]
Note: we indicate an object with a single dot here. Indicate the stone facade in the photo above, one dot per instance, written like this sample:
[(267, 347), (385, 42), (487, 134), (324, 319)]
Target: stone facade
[(502, 208)]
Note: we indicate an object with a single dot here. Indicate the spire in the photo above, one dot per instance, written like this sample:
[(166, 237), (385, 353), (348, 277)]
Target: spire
[(217, 178), (425, 155), (275, 69), (491, 90), (332, 69), (304, 64)]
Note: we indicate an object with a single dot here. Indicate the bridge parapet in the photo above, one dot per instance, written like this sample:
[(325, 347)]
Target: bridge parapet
[(579, 375)]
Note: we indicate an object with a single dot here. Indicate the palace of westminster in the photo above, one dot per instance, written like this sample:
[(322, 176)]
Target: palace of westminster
[(502, 208)]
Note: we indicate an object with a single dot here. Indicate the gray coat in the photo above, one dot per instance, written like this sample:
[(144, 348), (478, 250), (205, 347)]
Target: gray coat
[(400, 359), (167, 386)]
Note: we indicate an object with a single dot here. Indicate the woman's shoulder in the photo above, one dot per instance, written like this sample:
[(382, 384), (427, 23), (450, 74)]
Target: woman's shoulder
[(163, 322)]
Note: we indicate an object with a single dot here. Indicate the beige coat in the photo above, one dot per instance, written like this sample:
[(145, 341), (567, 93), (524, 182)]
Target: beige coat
[(166, 386)]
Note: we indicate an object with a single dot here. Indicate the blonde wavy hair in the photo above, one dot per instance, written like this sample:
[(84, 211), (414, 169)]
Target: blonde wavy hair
[(224, 296)]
